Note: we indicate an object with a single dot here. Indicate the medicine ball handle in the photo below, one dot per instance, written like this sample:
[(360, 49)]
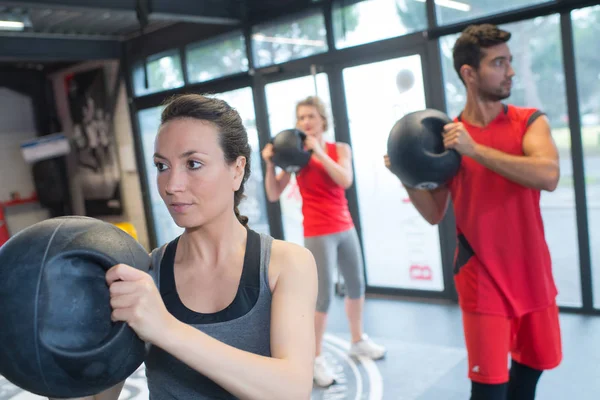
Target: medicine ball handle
[(300, 133), (434, 124), (303, 137), (109, 344)]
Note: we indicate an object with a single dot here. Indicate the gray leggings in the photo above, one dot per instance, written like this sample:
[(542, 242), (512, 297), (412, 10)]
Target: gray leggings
[(342, 248)]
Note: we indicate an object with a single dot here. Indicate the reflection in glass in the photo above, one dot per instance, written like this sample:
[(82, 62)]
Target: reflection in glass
[(220, 57), (281, 42), (353, 24), (164, 72), (452, 11)]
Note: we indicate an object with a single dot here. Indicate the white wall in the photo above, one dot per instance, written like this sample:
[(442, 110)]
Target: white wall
[(17, 126)]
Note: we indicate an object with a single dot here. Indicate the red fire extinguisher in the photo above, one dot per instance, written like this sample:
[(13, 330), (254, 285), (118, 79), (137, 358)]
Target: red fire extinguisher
[(4, 235)]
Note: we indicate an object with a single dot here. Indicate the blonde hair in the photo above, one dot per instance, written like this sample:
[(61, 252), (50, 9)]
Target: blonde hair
[(314, 101)]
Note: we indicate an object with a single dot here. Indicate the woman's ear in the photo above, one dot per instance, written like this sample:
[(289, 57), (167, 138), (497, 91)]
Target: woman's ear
[(238, 170)]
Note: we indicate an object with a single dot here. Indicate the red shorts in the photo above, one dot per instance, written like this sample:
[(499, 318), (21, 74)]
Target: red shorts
[(532, 340)]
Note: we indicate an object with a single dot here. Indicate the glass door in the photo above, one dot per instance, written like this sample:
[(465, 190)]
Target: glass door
[(585, 28), (282, 97), (402, 251), (254, 205)]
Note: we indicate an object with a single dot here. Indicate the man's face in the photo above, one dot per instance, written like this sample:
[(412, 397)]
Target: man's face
[(494, 77)]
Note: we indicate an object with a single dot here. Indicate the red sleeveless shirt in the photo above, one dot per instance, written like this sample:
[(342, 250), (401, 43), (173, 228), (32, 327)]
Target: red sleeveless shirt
[(503, 260), (324, 204)]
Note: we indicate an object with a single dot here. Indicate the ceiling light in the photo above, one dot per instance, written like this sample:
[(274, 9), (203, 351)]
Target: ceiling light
[(306, 42), (12, 25), (14, 20), (457, 5)]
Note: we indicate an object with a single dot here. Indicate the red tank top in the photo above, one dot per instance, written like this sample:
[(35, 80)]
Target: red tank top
[(324, 204), (506, 266)]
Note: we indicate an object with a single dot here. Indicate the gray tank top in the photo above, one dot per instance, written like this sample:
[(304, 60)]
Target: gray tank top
[(169, 378)]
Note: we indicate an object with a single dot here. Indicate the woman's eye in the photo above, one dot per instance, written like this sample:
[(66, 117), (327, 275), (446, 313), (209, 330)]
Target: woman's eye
[(194, 164), (160, 166)]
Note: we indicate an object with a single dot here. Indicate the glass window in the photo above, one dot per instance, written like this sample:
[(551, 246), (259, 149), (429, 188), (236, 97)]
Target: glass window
[(165, 229), (164, 72), (285, 41), (454, 89), (281, 104), (253, 206), (536, 47), (586, 30), (353, 24), (390, 224), (217, 58), (452, 11)]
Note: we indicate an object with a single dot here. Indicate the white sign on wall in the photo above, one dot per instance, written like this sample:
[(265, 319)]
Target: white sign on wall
[(45, 147)]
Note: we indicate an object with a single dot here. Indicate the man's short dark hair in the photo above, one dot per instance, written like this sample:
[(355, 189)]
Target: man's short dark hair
[(468, 47)]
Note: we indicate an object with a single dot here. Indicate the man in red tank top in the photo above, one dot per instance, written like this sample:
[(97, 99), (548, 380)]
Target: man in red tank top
[(329, 231), (503, 270)]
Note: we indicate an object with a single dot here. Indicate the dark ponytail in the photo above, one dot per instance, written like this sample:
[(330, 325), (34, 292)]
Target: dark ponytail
[(242, 218)]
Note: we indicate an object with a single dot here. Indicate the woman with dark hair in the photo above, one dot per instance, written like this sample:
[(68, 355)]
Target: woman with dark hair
[(227, 312)]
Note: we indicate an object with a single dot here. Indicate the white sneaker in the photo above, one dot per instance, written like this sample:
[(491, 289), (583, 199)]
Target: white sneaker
[(322, 374), (367, 348)]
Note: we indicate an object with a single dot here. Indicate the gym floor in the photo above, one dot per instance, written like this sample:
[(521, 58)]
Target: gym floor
[(426, 358), (425, 341)]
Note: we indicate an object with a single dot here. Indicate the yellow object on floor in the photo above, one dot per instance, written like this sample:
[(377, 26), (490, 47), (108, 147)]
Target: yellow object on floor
[(127, 227)]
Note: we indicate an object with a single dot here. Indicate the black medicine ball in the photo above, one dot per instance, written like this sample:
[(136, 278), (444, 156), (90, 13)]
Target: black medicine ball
[(56, 335), (417, 153), (288, 150)]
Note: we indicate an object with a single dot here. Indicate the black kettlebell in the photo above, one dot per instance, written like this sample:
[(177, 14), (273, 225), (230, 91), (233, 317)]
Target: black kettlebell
[(288, 150), (416, 150), (56, 334)]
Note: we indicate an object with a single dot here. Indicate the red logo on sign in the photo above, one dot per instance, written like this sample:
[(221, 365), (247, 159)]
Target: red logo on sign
[(420, 272)]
